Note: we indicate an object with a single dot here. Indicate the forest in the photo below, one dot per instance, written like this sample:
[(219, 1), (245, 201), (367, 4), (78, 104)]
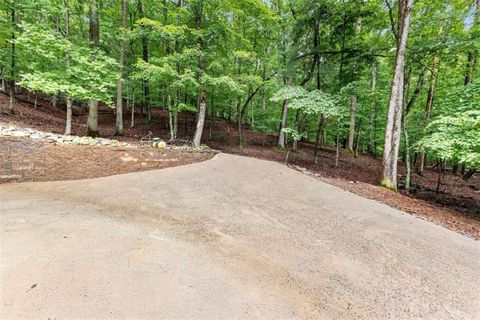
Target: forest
[(397, 79)]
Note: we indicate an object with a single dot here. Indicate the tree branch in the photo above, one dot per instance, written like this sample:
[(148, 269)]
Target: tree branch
[(392, 21)]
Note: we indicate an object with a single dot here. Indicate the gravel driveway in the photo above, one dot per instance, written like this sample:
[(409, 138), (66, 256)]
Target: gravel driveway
[(231, 237)]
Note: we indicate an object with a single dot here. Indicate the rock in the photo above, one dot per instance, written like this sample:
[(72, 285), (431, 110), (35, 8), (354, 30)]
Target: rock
[(59, 138), (85, 141), (19, 134)]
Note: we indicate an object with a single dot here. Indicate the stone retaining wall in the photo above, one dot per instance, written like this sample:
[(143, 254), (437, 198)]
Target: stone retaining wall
[(25, 159)]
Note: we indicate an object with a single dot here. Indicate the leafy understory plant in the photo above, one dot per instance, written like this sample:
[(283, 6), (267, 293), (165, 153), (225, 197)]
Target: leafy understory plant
[(294, 136)]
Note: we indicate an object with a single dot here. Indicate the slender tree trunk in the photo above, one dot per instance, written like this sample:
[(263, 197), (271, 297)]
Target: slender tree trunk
[(119, 109), (11, 107), (197, 138), (470, 66), (351, 131), (353, 105), (394, 118), (471, 59), (145, 56), (92, 122), (239, 122), (469, 174), (68, 122), (407, 153), (337, 146), (170, 119), (68, 125), (202, 99), (373, 111), (428, 111), (357, 142), (132, 115), (321, 122), (283, 124)]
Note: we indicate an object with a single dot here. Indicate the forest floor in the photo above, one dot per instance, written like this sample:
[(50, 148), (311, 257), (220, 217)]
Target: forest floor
[(228, 237), (456, 205)]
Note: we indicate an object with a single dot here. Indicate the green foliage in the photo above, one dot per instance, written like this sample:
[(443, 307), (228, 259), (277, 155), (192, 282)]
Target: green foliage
[(90, 74), (289, 92), (293, 134), (455, 135)]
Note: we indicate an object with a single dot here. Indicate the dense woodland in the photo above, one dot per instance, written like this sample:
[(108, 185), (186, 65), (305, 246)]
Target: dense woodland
[(394, 78)]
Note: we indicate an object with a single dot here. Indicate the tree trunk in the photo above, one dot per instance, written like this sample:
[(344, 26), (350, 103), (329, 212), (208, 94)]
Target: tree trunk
[(68, 125), (353, 105), (471, 55), (428, 111), (337, 147), (239, 123), (92, 122), (469, 174), (357, 142), (119, 109), (132, 116), (202, 99), (321, 121), (171, 119), (145, 56), (351, 131), (11, 107), (283, 124), (68, 122), (394, 118), (470, 65), (373, 111), (197, 138), (407, 153)]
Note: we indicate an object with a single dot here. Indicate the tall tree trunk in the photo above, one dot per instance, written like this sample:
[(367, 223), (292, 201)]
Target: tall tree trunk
[(202, 99), (119, 109), (68, 122), (92, 122), (394, 118), (283, 123), (471, 59), (132, 110), (321, 122), (470, 65), (197, 138), (351, 131), (373, 111), (145, 56), (239, 122), (353, 105), (428, 111), (11, 108), (264, 78)]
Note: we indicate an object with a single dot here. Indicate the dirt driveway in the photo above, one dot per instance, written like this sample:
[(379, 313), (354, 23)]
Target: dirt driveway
[(231, 237)]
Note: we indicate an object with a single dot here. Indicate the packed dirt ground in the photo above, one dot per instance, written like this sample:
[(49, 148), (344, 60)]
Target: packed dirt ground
[(232, 238), (456, 205)]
